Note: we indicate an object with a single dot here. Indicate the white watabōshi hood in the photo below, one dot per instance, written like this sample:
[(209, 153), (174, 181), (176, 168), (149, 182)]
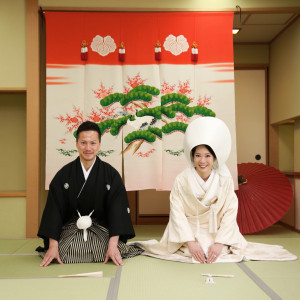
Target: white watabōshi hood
[(208, 131)]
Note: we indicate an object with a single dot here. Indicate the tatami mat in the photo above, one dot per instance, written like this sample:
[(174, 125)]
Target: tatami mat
[(281, 277), (28, 266), (30, 246), (276, 230), (11, 246), (291, 244), (54, 289), (148, 278), (24, 246)]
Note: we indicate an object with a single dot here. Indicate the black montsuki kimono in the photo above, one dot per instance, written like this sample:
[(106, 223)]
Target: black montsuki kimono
[(104, 192)]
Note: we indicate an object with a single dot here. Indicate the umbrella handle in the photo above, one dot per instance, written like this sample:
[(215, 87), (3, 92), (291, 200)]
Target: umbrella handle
[(242, 180)]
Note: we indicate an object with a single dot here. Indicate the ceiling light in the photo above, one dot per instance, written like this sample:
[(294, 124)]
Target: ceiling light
[(235, 30)]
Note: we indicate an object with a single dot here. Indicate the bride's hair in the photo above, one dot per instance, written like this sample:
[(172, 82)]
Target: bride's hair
[(210, 150)]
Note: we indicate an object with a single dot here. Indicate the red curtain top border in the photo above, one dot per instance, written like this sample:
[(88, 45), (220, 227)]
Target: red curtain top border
[(211, 31)]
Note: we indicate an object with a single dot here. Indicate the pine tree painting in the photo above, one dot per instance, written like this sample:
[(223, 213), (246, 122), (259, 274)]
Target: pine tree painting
[(133, 108)]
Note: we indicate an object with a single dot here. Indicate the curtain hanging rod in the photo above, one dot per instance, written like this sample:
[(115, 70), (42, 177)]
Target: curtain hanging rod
[(236, 10), (126, 9)]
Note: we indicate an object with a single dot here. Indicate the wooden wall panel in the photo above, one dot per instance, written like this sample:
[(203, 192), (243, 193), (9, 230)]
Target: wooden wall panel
[(32, 119)]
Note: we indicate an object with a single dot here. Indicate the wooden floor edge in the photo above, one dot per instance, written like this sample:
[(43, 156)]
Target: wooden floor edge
[(288, 226)]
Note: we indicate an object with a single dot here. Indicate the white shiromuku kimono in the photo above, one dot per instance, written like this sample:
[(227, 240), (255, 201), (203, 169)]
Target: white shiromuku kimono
[(206, 212)]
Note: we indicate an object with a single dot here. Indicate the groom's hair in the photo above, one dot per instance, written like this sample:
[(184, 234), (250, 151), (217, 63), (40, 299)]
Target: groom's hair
[(88, 126)]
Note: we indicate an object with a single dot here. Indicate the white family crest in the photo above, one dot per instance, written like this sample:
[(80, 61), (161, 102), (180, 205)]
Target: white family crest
[(176, 45), (66, 185), (103, 46)]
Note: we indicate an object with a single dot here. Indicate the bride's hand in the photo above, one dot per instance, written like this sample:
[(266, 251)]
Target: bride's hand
[(196, 251), (214, 252)]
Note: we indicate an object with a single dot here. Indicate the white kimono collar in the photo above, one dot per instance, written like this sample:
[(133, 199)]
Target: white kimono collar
[(204, 184), (86, 173), (207, 198), (205, 191)]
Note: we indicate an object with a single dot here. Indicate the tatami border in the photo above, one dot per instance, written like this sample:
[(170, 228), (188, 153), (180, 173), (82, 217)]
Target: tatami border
[(113, 289), (272, 294)]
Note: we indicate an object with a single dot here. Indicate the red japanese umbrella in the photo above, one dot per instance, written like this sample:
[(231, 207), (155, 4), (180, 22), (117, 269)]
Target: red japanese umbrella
[(265, 194)]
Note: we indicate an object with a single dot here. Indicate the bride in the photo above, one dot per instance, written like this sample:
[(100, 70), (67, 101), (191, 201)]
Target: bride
[(202, 226)]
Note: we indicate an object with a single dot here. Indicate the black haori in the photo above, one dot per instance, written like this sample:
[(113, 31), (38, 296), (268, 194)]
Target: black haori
[(73, 249)]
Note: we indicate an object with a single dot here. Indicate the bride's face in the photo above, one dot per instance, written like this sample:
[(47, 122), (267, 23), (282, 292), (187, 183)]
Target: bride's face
[(203, 161)]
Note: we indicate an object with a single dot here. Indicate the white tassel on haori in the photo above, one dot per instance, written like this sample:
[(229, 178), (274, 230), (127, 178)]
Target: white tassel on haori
[(84, 222)]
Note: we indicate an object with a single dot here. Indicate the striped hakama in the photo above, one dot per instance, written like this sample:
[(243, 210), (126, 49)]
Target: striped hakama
[(73, 249)]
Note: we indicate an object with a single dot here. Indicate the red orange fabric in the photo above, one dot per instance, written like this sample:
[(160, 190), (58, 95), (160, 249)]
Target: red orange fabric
[(139, 32)]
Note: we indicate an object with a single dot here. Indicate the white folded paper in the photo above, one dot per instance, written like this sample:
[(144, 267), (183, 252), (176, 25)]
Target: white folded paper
[(92, 274)]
